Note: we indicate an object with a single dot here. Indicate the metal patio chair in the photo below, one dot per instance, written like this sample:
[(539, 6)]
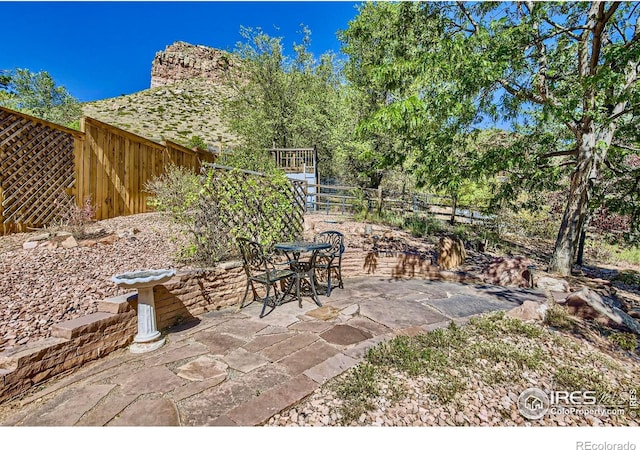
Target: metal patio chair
[(330, 260), (260, 268)]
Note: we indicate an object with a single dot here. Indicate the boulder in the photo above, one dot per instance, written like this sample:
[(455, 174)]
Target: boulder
[(451, 252), (553, 284), (508, 272), (590, 305), (529, 311)]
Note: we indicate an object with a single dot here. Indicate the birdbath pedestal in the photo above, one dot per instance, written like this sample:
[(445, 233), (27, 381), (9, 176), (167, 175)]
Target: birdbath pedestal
[(148, 337)]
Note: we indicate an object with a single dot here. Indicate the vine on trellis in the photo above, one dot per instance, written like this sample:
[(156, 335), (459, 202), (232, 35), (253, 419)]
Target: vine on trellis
[(264, 208)]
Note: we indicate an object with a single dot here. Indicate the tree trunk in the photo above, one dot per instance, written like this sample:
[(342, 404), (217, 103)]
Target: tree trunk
[(588, 162), (454, 206), (583, 238)]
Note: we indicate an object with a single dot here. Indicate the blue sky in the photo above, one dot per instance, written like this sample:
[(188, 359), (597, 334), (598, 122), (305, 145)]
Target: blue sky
[(105, 49)]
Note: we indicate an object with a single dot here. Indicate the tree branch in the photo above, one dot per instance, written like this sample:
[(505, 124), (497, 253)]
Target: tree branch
[(567, 31), (613, 169), (469, 17), (596, 45), (560, 153), (626, 147), (521, 93)]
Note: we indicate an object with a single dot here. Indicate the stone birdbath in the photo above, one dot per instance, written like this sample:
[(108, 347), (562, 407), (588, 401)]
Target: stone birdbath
[(148, 337)]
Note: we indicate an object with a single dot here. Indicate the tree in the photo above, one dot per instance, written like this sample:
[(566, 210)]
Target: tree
[(38, 95), (287, 102), (565, 75)]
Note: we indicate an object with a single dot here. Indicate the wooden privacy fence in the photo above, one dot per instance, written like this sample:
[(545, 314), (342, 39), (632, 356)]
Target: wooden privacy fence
[(114, 165), (39, 159), (334, 199)]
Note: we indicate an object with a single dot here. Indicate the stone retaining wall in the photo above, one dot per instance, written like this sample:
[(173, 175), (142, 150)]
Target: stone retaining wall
[(186, 296), (75, 342)]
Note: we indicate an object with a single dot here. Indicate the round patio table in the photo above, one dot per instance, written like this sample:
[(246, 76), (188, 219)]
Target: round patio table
[(305, 270)]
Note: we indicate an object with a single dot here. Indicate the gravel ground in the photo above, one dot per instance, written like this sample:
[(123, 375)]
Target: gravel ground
[(40, 287), (481, 401)]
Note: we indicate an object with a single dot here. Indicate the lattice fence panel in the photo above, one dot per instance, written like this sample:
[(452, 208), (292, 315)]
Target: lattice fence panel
[(239, 203), (36, 164)]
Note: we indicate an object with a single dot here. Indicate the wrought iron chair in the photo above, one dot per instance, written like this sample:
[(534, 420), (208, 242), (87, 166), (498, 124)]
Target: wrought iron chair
[(260, 268), (331, 259)]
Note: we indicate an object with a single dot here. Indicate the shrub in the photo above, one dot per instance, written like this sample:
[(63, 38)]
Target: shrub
[(221, 206), (421, 226), (557, 317), (175, 191), (197, 142), (72, 217)]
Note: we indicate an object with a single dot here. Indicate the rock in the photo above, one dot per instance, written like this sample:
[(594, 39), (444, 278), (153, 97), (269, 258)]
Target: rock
[(108, 239), (529, 311), (49, 245), (62, 234), (553, 284), (182, 61), (39, 237), (69, 242), (87, 243), (451, 252), (589, 305), (203, 368), (127, 232), (29, 245), (508, 272)]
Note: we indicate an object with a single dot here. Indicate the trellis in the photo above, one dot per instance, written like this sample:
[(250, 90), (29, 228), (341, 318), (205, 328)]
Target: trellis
[(36, 164), (215, 231)]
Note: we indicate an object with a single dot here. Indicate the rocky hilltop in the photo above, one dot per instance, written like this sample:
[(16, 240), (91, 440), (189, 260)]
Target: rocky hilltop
[(189, 85), (183, 61)]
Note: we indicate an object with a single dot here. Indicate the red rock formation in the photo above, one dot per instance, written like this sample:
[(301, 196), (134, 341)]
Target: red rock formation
[(182, 61)]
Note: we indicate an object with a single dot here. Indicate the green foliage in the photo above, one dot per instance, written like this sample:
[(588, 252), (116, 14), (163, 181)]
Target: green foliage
[(216, 209), (197, 142), (422, 225), (251, 207), (176, 191), (629, 277), (358, 390), (38, 95), (570, 379), (258, 160), (556, 316), (436, 72), (288, 102)]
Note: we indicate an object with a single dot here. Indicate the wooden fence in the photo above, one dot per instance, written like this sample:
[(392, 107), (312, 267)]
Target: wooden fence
[(114, 165), (333, 199), (36, 163), (39, 159)]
